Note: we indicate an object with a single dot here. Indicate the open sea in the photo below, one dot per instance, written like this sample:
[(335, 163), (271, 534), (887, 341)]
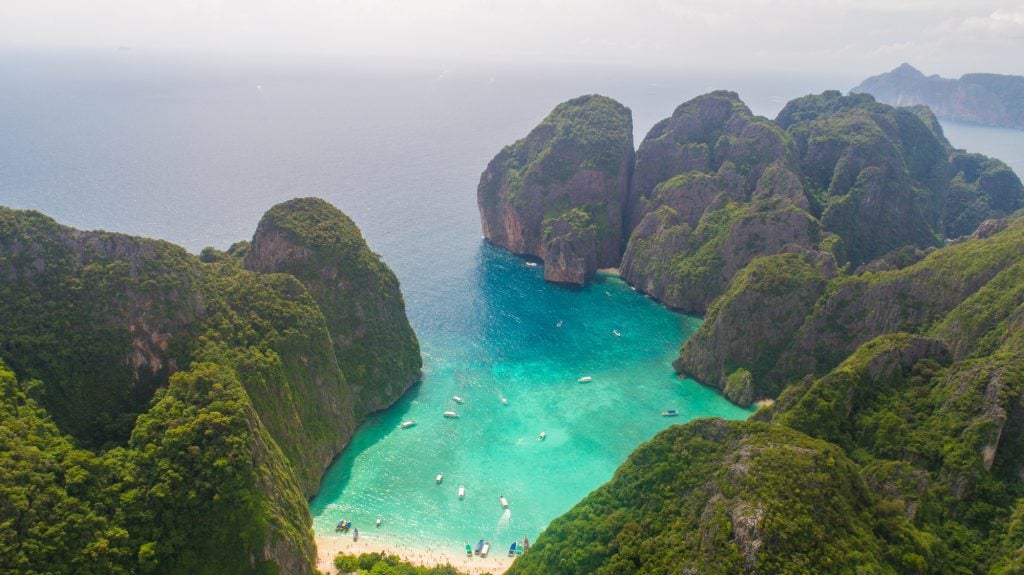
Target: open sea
[(195, 150)]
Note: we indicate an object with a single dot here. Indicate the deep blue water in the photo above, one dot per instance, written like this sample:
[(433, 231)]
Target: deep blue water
[(194, 151)]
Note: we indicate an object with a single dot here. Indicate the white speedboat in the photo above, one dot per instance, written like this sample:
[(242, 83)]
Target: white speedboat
[(531, 264), (451, 414), (456, 399), (616, 332), (542, 435), (462, 492), (439, 478), (585, 379), (504, 401), (503, 501), (408, 424)]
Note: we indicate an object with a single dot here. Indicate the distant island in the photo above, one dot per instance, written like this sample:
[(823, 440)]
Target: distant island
[(986, 99)]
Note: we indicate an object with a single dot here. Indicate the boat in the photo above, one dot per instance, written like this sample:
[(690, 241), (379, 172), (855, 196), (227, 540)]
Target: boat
[(378, 522), (503, 501), (670, 412), (439, 477), (479, 547), (531, 264), (456, 399), (462, 492), (559, 324), (340, 526), (485, 549), (616, 332), (451, 414), (585, 379), (512, 549), (469, 550), (519, 550), (542, 435), (408, 424), (504, 401), (526, 544), (355, 534)]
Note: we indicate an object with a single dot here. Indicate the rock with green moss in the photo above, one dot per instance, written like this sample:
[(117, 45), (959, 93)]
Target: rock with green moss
[(558, 194), (748, 326), (211, 397), (358, 294), (725, 497)]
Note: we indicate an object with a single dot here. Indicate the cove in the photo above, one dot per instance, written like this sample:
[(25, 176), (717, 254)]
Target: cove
[(527, 341)]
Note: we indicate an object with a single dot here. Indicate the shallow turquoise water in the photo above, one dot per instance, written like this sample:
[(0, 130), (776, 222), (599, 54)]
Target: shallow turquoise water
[(513, 348)]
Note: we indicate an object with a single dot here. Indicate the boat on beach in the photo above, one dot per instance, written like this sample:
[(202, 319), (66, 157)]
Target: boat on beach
[(512, 549), (355, 534), (485, 550), (670, 412), (407, 424), (462, 492), (526, 544), (585, 379), (503, 501), (451, 414), (469, 550), (479, 547), (456, 399)]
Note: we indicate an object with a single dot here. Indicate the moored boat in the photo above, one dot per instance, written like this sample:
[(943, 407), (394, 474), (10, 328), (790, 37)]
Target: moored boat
[(479, 547), (469, 550), (485, 550), (670, 412), (462, 492), (585, 379), (451, 414), (378, 522), (456, 399), (438, 479), (504, 401), (542, 435), (408, 424), (512, 549)]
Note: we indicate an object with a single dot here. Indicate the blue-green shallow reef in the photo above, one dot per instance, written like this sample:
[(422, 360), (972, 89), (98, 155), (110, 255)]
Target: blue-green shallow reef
[(511, 346)]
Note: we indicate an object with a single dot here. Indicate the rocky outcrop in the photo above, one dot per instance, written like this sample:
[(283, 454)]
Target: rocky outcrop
[(987, 99), (752, 323), (357, 293), (559, 193)]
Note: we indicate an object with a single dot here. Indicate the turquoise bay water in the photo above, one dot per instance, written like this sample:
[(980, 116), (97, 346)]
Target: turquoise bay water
[(513, 348)]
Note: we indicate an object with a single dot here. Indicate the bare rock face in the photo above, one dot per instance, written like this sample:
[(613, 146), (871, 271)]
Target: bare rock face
[(558, 194)]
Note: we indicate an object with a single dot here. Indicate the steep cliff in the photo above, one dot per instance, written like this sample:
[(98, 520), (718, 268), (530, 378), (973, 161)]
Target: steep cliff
[(558, 194), (988, 99), (358, 294), (199, 387), (713, 189), (964, 293)]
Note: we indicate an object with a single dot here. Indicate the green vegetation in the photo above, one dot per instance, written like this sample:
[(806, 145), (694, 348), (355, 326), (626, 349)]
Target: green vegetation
[(114, 465), (381, 564)]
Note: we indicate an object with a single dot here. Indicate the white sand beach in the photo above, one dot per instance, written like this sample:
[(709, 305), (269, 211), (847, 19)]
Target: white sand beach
[(328, 546)]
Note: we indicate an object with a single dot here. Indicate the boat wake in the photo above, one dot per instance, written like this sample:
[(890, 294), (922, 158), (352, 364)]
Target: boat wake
[(505, 518)]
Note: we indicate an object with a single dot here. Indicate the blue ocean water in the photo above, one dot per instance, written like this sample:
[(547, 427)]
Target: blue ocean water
[(195, 150)]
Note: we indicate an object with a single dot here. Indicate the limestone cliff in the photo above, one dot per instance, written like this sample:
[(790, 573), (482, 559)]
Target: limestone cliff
[(558, 194), (987, 99), (201, 384), (357, 293)]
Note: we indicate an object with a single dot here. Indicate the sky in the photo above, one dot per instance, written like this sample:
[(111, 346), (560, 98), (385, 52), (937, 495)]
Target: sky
[(946, 37)]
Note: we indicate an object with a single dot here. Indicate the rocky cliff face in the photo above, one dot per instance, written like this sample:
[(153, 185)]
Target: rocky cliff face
[(263, 399), (357, 293), (987, 99), (558, 194)]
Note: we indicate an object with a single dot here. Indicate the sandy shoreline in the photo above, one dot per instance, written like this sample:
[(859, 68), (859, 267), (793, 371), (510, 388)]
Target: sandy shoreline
[(328, 546), (609, 271)]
